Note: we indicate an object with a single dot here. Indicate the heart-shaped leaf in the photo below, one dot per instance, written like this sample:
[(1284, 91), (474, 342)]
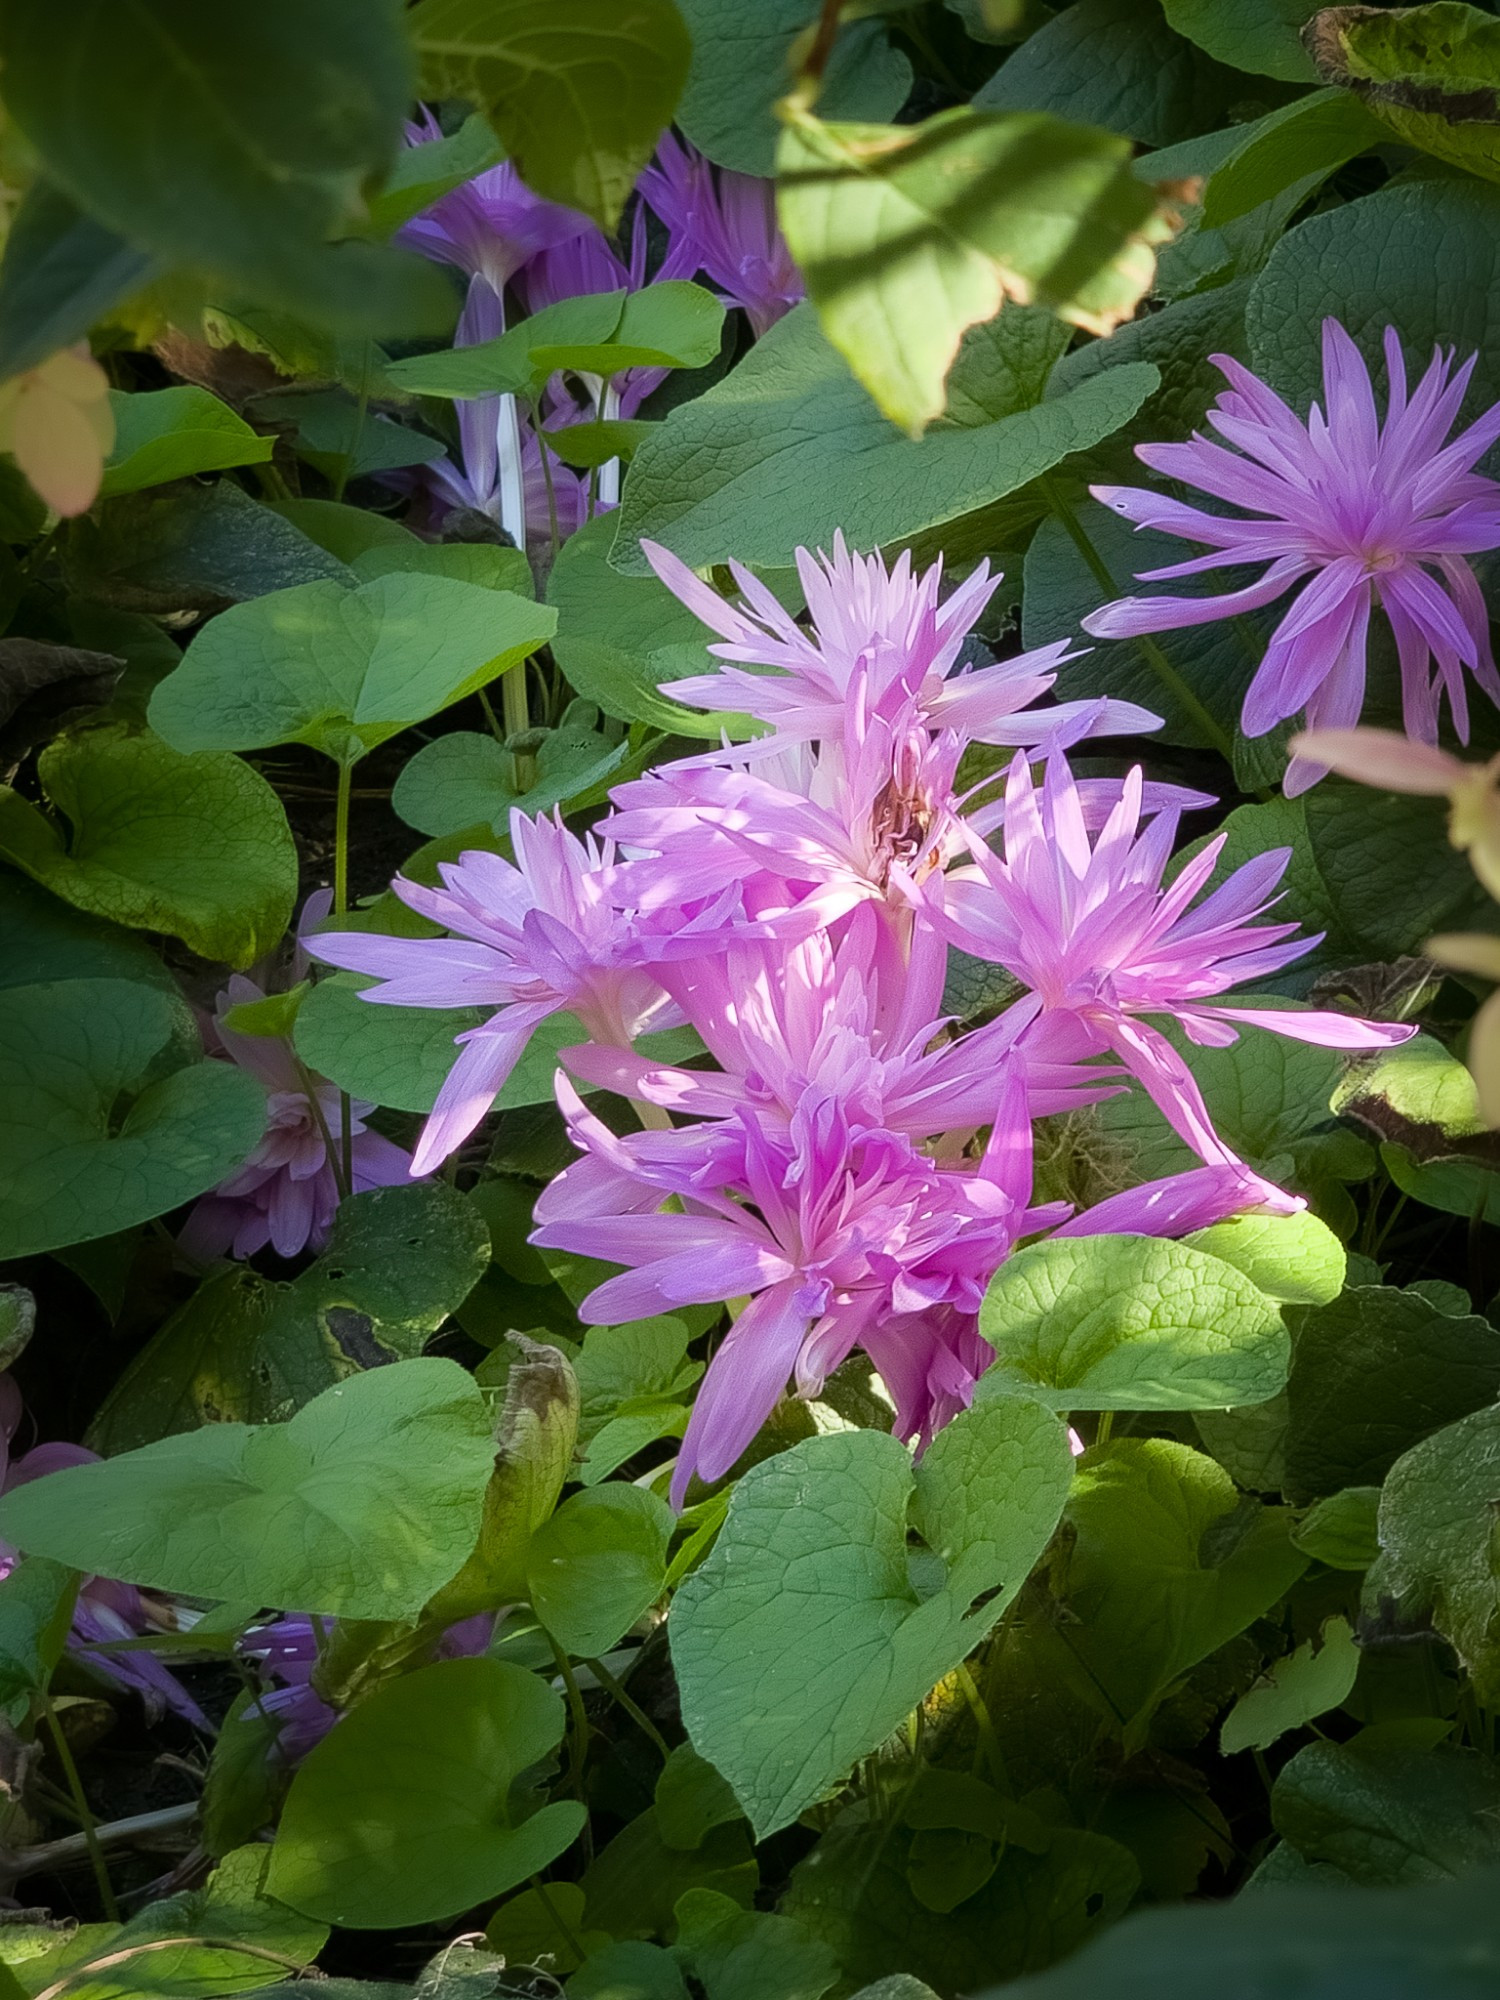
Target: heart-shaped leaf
[(407, 1813), (363, 1505), (163, 434), (340, 669), (197, 845), (808, 1636), (598, 1564), (109, 1114)]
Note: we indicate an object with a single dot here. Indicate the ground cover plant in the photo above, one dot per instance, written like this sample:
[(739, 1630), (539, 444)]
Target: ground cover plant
[(748, 1050)]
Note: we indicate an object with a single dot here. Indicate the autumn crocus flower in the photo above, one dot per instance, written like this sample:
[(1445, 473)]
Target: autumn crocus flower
[(1396, 764), (286, 1194), (56, 421), (1103, 942), (530, 939), (723, 224), (1358, 511), (878, 633)]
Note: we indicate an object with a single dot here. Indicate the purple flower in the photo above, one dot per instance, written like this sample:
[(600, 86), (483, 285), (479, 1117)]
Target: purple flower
[(1089, 926), (104, 1610), (286, 1194), (875, 633), (723, 224), (531, 939), (1367, 512), (492, 226)]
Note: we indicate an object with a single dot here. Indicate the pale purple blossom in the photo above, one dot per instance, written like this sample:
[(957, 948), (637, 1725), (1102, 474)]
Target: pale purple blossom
[(492, 226), (529, 939), (723, 224), (104, 1610), (1102, 941), (1356, 511), (286, 1194)]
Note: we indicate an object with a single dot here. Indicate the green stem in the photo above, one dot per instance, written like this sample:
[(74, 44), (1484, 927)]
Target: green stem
[(564, 1928), (989, 1743), (637, 1714), (490, 716), (1171, 681), (359, 427), (341, 840), (1104, 1426), (513, 700), (578, 1734), (86, 1820), (336, 1159)]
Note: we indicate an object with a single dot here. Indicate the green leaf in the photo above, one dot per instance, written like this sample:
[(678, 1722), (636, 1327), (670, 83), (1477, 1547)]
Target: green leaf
[(1116, 63), (110, 1115), (470, 562), (633, 1381), (17, 1322), (788, 448), (579, 91), (1341, 1530), (1130, 1323), (1318, 1676), (634, 1886), (348, 533), (1373, 1374), (36, 1610), (1316, 134), (1386, 1815), (248, 1349), (593, 444), (1440, 1940), (736, 1954), (1258, 35), (621, 638), (550, 1922), (343, 439), (1294, 1259), (363, 1505), (343, 670), (463, 777), (396, 1056), (598, 1565), (197, 846), (953, 217), (1422, 1104), (692, 1798), (410, 1811), (779, 1606), (163, 434), (424, 173), (1430, 74), (1416, 255), (504, 364), (1437, 1554), (741, 66), (42, 939), (138, 136), (60, 272), (193, 548), (1165, 1568)]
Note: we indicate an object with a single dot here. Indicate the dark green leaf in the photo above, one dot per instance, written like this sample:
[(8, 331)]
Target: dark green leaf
[(1386, 1815), (1258, 35), (1312, 135)]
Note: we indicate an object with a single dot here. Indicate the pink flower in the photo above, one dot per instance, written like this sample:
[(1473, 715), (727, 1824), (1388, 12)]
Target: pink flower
[(875, 633), (104, 1610), (530, 939), (723, 224), (1088, 925), (1368, 512), (286, 1194)]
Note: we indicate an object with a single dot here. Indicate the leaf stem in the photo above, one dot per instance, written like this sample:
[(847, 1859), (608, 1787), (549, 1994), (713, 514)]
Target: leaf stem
[(1171, 681), (490, 716), (578, 1734), (341, 839), (637, 1714), (86, 1820), (513, 700)]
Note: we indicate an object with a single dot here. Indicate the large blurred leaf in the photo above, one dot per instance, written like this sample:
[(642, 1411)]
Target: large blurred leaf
[(249, 1349), (342, 669), (741, 66), (109, 1113), (1130, 1323), (197, 846), (136, 127), (61, 270), (1374, 1373), (1439, 1941), (411, 1810), (951, 218), (1437, 1541), (793, 1661), (363, 1505), (579, 91), (789, 449), (1431, 74)]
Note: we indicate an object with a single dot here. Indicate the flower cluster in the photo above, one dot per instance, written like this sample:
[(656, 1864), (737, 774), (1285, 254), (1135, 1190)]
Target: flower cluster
[(851, 1170), (521, 253)]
